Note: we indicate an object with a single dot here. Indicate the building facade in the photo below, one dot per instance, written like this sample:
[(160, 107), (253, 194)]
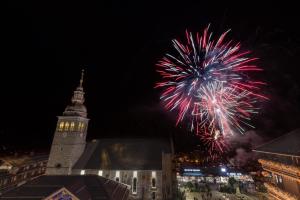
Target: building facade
[(17, 170), (144, 165), (280, 160)]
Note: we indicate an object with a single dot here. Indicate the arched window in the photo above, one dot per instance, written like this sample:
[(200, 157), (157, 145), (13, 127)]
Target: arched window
[(67, 126), (61, 126), (82, 127), (79, 126), (134, 185), (72, 126)]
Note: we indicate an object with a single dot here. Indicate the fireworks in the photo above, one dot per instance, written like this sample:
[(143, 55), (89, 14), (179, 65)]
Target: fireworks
[(208, 83)]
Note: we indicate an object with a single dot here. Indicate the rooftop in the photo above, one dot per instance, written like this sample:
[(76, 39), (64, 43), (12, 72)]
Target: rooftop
[(124, 154), (22, 159), (288, 144), (83, 187)]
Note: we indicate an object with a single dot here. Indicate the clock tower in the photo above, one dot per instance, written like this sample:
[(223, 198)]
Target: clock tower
[(70, 135)]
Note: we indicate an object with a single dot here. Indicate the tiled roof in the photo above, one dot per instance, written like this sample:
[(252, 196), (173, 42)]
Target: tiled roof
[(83, 187), (288, 144), (23, 159), (124, 154)]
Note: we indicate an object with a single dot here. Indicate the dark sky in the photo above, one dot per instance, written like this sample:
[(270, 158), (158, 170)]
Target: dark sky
[(45, 44)]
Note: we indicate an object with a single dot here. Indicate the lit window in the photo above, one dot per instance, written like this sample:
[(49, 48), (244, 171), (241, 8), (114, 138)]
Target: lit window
[(118, 176), (280, 179), (72, 126), (100, 173), (276, 178), (134, 185), (61, 126), (82, 172), (135, 174), (79, 126), (153, 179), (153, 174), (67, 126), (82, 127)]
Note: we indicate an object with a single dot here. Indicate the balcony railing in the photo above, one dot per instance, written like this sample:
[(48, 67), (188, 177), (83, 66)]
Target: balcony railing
[(288, 171), (278, 193)]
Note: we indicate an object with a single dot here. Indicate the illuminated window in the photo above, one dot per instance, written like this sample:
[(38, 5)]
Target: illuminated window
[(276, 178), (279, 178), (82, 172), (82, 127), (72, 126), (153, 174), (67, 126), (100, 173), (153, 179), (79, 126), (135, 174), (61, 126), (118, 176)]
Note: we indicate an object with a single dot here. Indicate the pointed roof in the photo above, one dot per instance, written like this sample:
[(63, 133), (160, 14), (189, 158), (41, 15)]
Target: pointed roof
[(124, 154), (286, 145), (77, 107)]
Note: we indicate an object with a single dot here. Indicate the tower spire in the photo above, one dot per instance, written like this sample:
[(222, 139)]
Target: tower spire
[(81, 80), (77, 106)]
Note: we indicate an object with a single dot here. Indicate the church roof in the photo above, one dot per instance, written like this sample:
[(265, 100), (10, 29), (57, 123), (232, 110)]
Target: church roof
[(124, 154), (288, 144), (83, 187)]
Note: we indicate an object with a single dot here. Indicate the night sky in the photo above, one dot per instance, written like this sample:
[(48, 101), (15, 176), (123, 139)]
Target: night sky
[(45, 44)]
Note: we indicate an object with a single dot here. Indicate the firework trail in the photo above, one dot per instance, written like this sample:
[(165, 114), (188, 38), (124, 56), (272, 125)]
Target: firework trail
[(208, 83)]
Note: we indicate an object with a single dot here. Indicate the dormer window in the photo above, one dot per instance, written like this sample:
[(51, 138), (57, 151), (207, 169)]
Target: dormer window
[(67, 126), (72, 126), (61, 126)]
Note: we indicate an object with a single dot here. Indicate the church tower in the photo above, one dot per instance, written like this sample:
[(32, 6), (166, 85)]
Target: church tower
[(70, 135)]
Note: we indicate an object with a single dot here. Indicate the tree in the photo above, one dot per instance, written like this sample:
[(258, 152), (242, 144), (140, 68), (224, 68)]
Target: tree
[(189, 185), (232, 181)]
